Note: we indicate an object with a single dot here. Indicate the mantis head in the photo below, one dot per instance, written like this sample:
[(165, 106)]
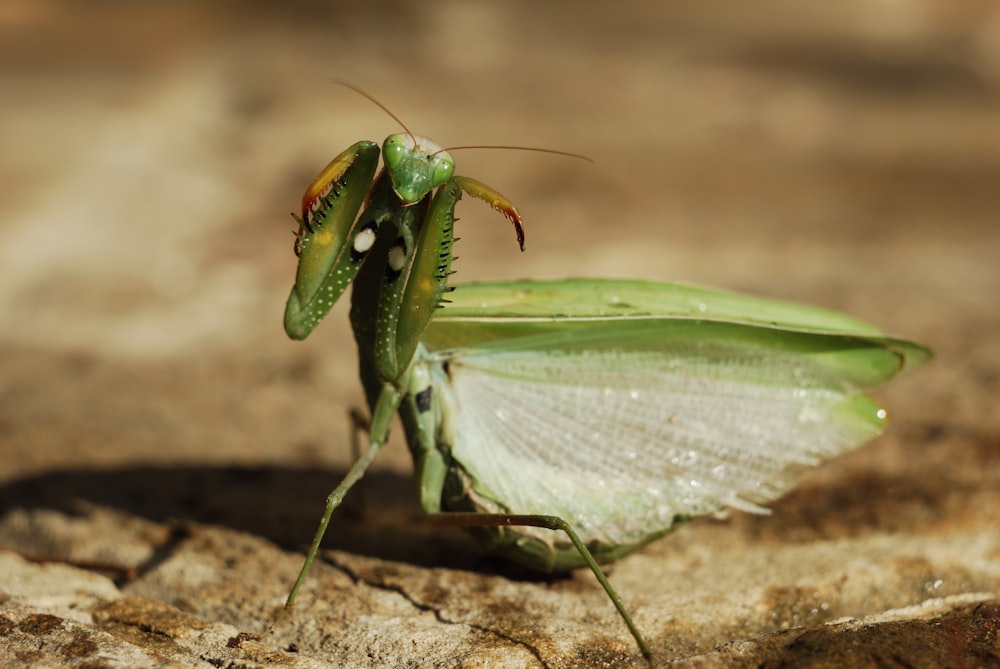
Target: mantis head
[(416, 166)]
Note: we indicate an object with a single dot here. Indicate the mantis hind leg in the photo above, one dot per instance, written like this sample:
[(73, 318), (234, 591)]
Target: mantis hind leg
[(463, 519)]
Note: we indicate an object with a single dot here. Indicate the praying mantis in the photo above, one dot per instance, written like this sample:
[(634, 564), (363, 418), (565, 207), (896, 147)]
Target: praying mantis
[(570, 422)]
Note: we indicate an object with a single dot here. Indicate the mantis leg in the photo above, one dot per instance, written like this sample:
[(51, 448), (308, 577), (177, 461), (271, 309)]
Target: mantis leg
[(388, 401), (493, 198), (462, 519), (359, 424)]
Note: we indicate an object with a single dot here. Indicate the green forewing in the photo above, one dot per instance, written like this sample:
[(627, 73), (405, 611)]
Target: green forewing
[(601, 298), (479, 313)]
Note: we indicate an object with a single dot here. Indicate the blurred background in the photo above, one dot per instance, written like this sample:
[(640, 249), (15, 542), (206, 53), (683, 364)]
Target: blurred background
[(843, 154), (152, 150)]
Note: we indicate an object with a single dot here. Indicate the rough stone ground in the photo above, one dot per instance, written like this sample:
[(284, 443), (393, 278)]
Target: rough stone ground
[(166, 450)]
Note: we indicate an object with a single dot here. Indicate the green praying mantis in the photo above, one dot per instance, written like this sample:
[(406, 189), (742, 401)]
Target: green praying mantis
[(571, 422)]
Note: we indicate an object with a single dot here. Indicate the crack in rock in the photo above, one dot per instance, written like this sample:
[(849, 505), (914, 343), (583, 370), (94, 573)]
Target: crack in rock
[(423, 606)]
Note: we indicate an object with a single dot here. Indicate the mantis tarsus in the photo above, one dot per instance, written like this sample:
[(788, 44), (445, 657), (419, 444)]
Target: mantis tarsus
[(568, 422)]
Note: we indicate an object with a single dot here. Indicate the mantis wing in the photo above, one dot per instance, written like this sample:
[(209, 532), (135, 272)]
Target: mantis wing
[(625, 416)]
